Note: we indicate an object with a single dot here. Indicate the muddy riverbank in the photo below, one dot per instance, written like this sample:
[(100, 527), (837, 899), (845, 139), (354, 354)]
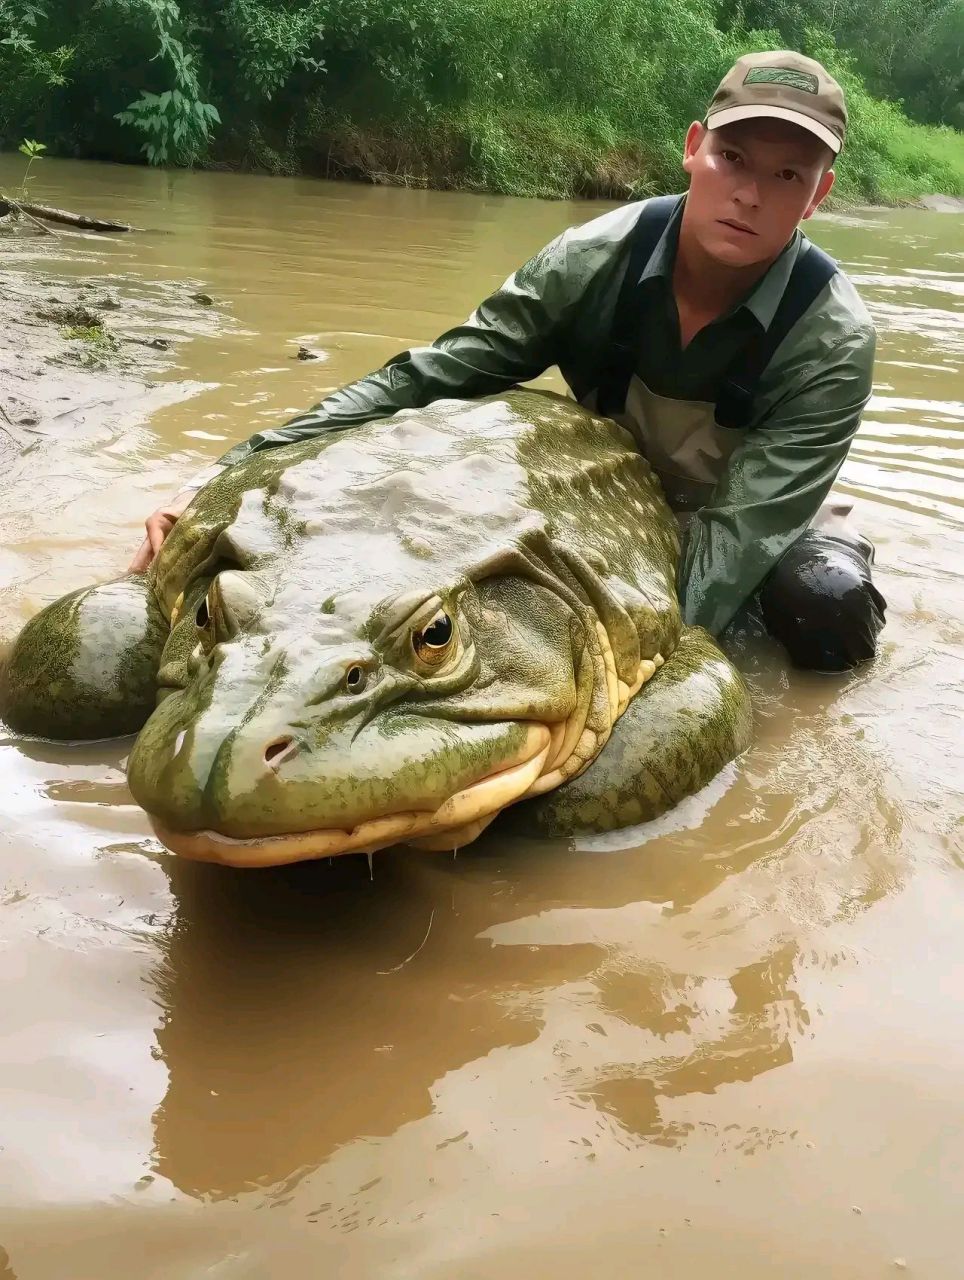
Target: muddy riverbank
[(82, 352), (90, 354)]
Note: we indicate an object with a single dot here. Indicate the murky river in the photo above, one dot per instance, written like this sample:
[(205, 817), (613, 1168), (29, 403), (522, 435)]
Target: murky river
[(730, 1045)]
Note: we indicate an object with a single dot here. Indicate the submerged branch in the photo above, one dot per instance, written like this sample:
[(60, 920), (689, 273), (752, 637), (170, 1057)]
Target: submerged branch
[(36, 212), (9, 205)]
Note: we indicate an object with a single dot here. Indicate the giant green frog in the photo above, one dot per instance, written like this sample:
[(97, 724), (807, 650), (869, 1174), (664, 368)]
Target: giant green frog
[(394, 634)]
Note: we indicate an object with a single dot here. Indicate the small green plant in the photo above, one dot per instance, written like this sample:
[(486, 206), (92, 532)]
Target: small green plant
[(93, 333), (32, 151), (99, 346)]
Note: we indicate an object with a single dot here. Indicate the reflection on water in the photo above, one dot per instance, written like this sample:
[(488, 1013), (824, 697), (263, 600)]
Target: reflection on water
[(293, 1026), (723, 1045)]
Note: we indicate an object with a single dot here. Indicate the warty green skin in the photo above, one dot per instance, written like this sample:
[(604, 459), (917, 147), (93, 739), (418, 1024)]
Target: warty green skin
[(685, 725), (86, 666), (529, 521)]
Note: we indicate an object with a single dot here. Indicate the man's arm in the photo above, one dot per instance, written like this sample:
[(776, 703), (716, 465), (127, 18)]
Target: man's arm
[(774, 485)]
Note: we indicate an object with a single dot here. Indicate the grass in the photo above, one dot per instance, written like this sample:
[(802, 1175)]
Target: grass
[(512, 117), (888, 160)]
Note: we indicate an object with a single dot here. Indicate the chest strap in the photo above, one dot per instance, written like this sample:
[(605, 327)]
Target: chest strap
[(623, 354), (811, 272)]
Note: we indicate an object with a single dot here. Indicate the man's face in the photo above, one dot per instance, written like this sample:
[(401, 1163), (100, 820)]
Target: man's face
[(751, 184)]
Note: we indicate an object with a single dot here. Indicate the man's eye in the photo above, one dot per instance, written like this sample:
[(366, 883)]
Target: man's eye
[(788, 175), (731, 157)]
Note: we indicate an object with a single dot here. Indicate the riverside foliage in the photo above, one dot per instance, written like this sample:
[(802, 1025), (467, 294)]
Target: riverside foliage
[(528, 97)]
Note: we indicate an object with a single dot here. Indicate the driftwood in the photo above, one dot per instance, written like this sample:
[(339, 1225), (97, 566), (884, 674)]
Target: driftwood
[(47, 214), (14, 206)]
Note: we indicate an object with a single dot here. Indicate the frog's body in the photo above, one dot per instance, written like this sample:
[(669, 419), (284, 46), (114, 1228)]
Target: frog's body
[(392, 635)]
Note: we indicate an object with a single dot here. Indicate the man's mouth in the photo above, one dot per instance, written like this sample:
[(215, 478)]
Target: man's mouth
[(737, 226)]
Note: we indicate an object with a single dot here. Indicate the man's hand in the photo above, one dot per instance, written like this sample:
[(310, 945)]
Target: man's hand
[(158, 525)]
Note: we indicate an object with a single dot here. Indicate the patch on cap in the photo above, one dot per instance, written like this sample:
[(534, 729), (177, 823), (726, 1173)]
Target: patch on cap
[(802, 80)]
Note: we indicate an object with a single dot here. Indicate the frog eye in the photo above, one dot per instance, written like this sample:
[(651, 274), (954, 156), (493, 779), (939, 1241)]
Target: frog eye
[(433, 642), (355, 679)]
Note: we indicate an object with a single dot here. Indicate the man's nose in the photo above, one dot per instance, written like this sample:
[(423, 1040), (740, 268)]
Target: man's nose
[(748, 193)]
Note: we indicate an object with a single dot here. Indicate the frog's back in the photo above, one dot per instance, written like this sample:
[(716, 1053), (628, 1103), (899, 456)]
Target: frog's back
[(448, 485)]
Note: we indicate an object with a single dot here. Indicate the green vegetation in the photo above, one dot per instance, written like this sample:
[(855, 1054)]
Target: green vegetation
[(98, 346), (92, 333), (529, 97), (32, 150)]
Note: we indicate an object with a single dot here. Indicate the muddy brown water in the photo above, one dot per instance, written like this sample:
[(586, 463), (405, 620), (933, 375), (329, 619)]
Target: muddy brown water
[(727, 1045)]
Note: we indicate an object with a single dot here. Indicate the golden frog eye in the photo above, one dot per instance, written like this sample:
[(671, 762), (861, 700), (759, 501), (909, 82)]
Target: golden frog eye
[(433, 642)]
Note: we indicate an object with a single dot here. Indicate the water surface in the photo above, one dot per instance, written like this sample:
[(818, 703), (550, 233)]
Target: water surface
[(728, 1045)]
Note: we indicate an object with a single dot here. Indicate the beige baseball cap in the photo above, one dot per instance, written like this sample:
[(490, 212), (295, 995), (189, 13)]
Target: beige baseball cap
[(784, 86)]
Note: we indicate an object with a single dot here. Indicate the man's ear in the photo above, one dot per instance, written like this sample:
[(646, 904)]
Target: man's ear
[(821, 193), (694, 140)]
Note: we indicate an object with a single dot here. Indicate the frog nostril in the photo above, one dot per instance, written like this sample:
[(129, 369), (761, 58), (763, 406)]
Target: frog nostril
[(279, 750)]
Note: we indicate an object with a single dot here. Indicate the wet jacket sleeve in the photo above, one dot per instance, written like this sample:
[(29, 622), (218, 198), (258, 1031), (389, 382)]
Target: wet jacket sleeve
[(774, 485), (513, 336)]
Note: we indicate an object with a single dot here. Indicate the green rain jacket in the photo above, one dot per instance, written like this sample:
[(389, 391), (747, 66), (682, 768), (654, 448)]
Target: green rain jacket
[(558, 309)]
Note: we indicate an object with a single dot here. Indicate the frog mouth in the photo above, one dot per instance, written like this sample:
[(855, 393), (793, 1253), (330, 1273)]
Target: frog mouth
[(455, 822)]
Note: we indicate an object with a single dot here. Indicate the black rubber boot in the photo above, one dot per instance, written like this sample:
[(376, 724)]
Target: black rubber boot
[(821, 604)]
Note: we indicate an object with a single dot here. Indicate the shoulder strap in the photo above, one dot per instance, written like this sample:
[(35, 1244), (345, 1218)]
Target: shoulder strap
[(643, 239), (812, 270)]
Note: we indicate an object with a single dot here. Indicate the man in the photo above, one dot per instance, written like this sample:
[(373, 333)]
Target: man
[(736, 353)]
